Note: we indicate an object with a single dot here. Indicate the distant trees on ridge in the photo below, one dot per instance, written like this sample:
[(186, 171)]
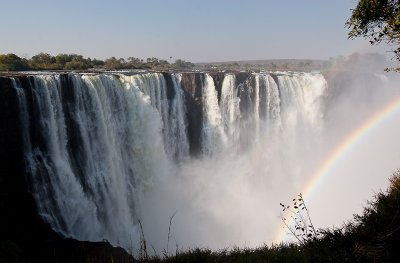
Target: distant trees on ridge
[(45, 61)]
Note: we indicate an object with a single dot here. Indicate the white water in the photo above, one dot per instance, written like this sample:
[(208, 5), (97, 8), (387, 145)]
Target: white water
[(213, 137), (112, 149), (230, 111)]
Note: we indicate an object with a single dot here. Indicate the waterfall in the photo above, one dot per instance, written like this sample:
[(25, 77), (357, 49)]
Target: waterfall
[(302, 100), (93, 139), (171, 108), (230, 111), (178, 122), (213, 133), (96, 144), (272, 103)]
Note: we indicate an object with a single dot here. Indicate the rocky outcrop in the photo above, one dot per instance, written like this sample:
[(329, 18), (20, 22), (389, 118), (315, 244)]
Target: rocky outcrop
[(170, 86), (71, 250), (218, 78), (192, 84)]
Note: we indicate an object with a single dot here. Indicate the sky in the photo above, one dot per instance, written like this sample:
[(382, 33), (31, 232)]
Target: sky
[(193, 30)]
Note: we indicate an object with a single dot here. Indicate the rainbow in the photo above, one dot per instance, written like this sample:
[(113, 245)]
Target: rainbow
[(340, 151)]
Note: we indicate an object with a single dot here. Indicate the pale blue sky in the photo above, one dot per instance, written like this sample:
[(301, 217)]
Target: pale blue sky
[(201, 30)]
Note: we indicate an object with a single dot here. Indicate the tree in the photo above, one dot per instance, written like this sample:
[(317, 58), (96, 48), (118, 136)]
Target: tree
[(97, 63), (152, 61), (134, 60), (76, 64), (179, 63), (378, 21), (44, 61), (62, 59), (11, 62), (113, 63)]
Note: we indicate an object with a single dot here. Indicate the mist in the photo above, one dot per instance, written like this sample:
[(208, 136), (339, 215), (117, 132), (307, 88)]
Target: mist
[(232, 198)]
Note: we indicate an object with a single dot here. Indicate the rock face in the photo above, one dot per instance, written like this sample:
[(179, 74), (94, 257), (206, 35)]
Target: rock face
[(71, 250), (192, 84), (218, 78)]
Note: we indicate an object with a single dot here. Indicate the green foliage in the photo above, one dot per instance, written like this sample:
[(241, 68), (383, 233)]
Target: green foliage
[(45, 61), (182, 64), (377, 231), (113, 63), (72, 61), (377, 20), (11, 62)]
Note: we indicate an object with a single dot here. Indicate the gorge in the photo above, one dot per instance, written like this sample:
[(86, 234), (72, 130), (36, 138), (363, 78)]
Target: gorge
[(92, 154)]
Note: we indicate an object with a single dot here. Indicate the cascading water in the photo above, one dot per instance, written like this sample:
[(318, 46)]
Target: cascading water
[(272, 103), (98, 147), (213, 134), (170, 106), (230, 112)]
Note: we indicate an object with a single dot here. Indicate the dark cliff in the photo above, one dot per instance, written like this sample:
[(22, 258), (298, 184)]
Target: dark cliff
[(192, 84)]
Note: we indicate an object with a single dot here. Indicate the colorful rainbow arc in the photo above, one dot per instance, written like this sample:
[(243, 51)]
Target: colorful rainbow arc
[(342, 149)]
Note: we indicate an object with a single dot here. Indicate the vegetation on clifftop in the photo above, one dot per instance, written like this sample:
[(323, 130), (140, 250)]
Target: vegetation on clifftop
[(355, 62), (44, 61)]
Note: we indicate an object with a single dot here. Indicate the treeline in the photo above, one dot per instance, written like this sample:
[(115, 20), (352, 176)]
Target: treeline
[(44, 61)]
